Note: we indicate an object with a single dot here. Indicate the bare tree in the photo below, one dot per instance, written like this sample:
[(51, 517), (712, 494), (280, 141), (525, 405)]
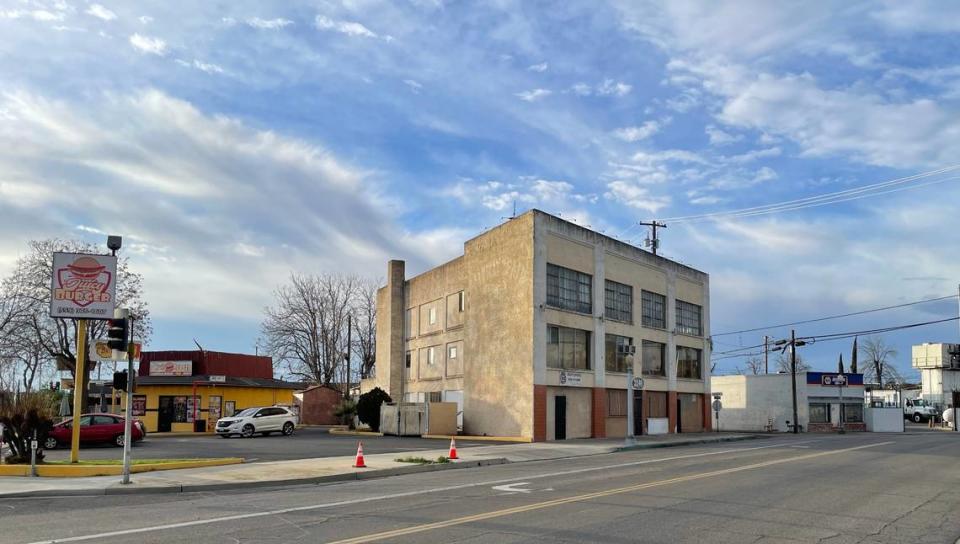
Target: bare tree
[(365, 312), (50, 340), (783, 363), (305, 329), (754, 365), (879, 357)]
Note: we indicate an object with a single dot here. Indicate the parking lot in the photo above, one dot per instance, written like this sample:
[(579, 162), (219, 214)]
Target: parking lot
[(304, 444)]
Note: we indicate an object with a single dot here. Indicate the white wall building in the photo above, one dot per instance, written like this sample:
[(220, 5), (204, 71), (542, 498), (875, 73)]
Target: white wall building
[(939, 371)]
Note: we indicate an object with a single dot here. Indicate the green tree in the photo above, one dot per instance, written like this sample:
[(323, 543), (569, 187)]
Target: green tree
[(30, 414), (368, 407)]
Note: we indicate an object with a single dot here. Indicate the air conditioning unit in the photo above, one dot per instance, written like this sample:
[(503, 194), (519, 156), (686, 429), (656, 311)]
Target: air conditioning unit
[(626, 349)]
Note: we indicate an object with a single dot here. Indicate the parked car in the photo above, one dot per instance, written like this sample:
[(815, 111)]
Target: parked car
[(263, 420), (94, 428), (918, 410)]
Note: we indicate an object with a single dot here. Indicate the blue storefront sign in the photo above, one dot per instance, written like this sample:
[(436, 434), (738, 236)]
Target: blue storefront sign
[(834, 379)]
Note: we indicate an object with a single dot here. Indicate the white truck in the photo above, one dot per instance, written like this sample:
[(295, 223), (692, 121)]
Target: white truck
[(918, 410)]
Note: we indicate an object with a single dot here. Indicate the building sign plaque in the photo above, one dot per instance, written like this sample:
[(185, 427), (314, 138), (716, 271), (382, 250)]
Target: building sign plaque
[(171, 368), (570, 378)]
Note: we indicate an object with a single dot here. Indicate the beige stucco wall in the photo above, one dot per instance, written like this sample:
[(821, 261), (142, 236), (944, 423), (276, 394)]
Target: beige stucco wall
[(498, 372), (578, 411)]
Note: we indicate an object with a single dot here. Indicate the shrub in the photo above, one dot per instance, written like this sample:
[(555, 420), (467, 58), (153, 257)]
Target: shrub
[(368, 407), (345, 412), (30, 413)]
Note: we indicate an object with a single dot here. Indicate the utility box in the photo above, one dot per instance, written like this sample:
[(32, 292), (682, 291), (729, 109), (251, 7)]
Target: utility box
[(418, 418)]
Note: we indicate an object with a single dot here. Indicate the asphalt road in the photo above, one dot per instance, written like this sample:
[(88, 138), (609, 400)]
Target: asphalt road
[(870, 488), (304, 444)]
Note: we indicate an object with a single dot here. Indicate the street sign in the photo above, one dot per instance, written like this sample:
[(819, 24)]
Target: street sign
[(717, 406), (218, 379), (718, 394), (83, 286)]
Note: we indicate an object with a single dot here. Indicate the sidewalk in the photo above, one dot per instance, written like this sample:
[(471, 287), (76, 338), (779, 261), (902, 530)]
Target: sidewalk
[(337, 469)]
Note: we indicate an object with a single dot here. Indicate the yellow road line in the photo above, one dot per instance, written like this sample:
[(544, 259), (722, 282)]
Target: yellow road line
[(587, 496)]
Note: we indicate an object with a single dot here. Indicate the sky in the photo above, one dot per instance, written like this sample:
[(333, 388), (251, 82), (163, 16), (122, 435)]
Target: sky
[(232, 143)]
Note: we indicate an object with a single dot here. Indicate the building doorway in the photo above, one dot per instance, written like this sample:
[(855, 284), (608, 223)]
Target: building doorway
[(560, 417), (679, 415), (637, 413), (165, 414)]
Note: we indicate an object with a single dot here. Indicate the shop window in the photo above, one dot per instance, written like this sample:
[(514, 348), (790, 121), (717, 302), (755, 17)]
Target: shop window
[(653, 358), (183, 409), (568, 348), (618, 301), (688, 319), (616, 403), (653, 308), (618, 355), (819, 413), (569, 290), (688, 363), (853, 413), (229, 408)]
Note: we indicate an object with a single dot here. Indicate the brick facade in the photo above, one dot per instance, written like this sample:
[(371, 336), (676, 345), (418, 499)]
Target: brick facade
[(539, 413)]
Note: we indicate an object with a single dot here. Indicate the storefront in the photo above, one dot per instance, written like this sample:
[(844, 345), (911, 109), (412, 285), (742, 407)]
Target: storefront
[(187, 391)]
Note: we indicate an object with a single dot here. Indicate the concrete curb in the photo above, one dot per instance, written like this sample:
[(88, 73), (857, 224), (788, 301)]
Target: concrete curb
[(339, 432), (314, 480), (652, 445)]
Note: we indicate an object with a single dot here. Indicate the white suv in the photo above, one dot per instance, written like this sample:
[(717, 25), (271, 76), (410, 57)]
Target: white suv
[(258, 420)]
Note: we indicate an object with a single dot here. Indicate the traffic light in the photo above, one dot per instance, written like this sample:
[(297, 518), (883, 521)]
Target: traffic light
[(118, 333), (120, 381)]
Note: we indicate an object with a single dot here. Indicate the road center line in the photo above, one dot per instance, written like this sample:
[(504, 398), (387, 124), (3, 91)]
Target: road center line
[(349, 502), (586, 496)]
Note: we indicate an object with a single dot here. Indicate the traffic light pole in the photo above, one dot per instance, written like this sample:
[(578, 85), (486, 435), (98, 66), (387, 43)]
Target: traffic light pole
[(128, 418)]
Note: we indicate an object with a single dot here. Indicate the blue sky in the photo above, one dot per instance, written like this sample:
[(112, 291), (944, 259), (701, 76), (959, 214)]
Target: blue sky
[(234, 142)]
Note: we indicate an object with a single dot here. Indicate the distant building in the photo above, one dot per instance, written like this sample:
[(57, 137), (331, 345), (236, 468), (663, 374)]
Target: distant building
[(531, 332), (939, 366), (189, 390), (764, 402)]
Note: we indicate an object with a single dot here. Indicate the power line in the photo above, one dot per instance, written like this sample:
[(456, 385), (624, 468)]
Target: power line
[(829, 198), (838, 316)]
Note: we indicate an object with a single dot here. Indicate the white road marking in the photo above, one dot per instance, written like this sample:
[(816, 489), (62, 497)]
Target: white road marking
[(512, 488), (349, 502)]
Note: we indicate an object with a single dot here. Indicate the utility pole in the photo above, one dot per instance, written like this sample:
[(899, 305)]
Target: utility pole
[(766, 354), (793, 377), (128, 417), (654, 242), (349, 341)]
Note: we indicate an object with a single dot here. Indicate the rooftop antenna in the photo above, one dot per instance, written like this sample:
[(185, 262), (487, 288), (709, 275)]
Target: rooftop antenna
[(653, 242)]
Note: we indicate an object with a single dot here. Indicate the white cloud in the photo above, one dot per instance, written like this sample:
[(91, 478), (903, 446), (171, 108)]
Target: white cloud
[(542, 67), (101, 12), (635, 134), (414, 85), (145, 19), (147, 44), (636, 196), (249, 250), (264, 24), (719, 137), (207, 67), (755, 154), (344, 27), (615, 88), (534, 94), (581, 89), (41, 15)]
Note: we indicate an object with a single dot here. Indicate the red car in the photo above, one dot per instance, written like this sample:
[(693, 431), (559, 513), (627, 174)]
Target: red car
[(94, 428)]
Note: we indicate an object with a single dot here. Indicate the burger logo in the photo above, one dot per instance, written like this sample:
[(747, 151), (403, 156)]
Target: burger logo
[(83, 282)]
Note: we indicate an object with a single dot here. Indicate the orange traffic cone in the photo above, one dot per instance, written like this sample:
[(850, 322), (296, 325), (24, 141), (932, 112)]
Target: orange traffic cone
[(453, 450), (359, 462)]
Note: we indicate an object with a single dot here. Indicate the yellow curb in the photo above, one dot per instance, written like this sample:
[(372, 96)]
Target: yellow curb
[(354, 433), (81, 471), (522, 439)]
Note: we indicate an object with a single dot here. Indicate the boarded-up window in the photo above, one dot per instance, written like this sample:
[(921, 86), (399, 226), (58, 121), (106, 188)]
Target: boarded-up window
[(656, 403), (691, 412), (616, 403)]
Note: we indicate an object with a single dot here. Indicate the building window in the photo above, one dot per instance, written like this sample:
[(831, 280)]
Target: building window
[(434, 396), (452, 352), (432, 312), (568, 348), (616, 403), (653, 359), (430, 356), (654, 310), (619, 353), (853, 413), (569, 290), (460, 302), (819, 413), (688, 363), (618, 301), (409, 356), (688, 319)]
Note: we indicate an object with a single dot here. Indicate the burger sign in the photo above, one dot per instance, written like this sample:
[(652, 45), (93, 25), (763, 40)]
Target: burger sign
[(83, 286)]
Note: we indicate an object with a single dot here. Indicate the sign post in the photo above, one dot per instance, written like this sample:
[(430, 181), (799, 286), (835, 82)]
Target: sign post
[(82, 287), (128, 417), (717, 406), (630, 438)]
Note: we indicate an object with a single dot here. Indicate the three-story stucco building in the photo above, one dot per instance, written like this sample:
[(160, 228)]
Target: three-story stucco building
[(531, 331)]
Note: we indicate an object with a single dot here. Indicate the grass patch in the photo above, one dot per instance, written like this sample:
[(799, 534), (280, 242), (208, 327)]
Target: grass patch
[(102, 462), (422, 460)]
